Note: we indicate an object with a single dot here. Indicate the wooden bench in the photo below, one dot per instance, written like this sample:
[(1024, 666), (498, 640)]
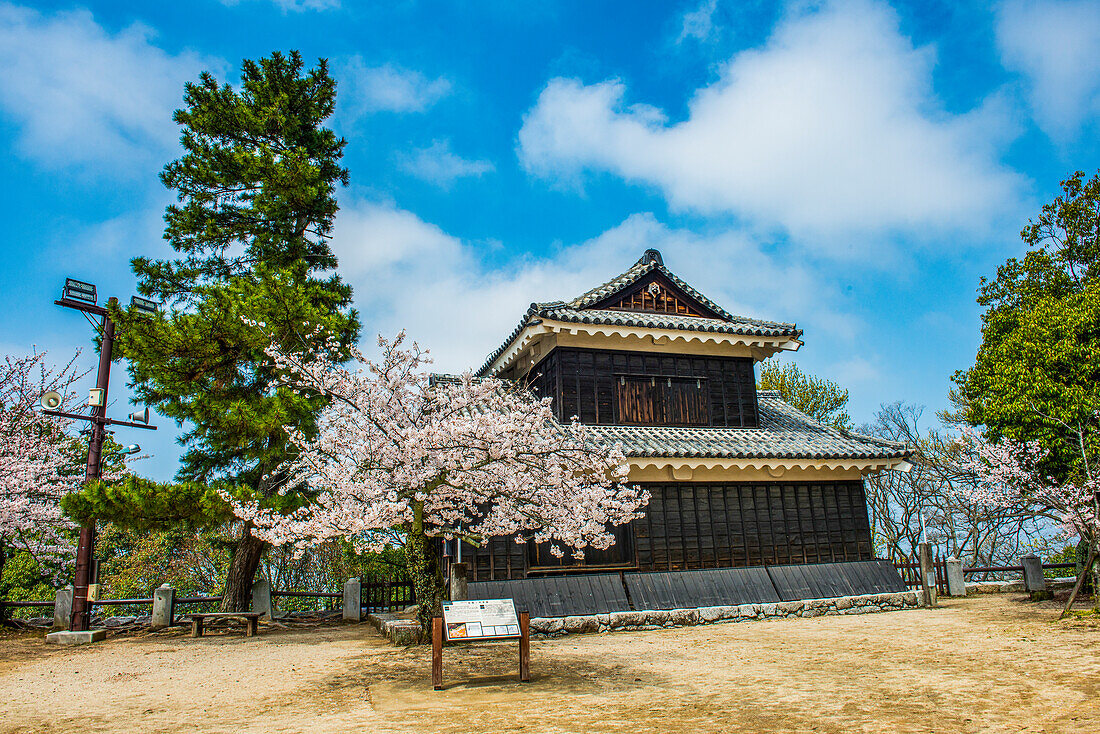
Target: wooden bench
[(252, 621)]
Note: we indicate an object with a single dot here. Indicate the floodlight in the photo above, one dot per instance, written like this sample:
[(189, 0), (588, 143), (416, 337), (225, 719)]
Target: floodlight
[(143, 306), (76, 290)]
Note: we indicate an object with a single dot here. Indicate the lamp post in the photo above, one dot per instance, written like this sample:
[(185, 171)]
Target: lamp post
[(82, 297)]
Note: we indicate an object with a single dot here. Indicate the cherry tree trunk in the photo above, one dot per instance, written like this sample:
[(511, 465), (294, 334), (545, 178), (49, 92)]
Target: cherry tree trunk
[(422, 559), (242, 571)]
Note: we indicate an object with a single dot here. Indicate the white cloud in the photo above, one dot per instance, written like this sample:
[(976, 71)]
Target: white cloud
[(296, 5), (410, 274), (698, 24), (830, 130), (86, 97), (387, 88), (440, 165), (1056, 46)]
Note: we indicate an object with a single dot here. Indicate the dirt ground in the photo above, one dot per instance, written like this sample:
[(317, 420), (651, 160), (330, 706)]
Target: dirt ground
[(982, 664)]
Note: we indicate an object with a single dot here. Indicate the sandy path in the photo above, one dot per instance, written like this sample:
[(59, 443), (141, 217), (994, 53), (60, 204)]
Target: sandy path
[(980, 664)]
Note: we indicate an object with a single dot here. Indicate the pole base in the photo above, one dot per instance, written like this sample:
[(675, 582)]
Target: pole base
[(66, 637)]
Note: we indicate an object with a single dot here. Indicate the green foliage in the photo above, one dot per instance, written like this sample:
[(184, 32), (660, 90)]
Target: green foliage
[(1035, 373), (142, 504), (134, 563), (25, 579), (818, 398), (256, 190)]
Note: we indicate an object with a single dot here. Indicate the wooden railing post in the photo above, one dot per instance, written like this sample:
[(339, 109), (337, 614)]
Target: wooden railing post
[(927, 574), (437, 653), (525, 647)]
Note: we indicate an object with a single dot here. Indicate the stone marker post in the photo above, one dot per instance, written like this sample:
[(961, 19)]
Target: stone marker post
[(956, 581), (927, 574), (459, 589), (62, 608), (261, 599), (164, 607), (1034, 582), (353, 600)]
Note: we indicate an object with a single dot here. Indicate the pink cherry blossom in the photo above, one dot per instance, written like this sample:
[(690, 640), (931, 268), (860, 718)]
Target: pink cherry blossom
[(461, 457), (39, 462), (1008, 476)]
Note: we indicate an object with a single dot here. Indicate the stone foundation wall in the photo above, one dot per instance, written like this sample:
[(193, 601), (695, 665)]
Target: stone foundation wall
[(657, 619)]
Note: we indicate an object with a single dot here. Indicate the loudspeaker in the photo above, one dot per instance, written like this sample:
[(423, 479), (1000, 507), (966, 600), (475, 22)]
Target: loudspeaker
[(142, 417), (51, 400)]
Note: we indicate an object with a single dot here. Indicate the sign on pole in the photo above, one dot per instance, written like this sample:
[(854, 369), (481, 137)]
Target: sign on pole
[(480, 619)]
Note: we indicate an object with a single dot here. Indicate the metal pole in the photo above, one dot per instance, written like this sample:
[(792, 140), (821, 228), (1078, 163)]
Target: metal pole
[(82, 609)]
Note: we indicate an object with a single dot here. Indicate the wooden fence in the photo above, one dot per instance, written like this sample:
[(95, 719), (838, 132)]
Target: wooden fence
[(385, 595), (377, 595), (909, 570)]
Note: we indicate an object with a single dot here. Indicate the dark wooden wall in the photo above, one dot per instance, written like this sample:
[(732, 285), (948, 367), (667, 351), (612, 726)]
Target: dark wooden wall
[(713, 525), (584, 383)]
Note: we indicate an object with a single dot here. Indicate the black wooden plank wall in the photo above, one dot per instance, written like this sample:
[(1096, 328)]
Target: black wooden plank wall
[(704, 525), (561, 596), (710, 525), (558, 596), (583, 382)]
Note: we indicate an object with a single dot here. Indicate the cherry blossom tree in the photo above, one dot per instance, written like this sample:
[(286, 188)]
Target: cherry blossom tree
[(39, 462), (1008, 475), (401, 457)]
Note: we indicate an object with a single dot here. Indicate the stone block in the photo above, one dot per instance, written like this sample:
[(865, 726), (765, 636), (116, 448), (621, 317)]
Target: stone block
[(658, 617), (746, 610), (769, 610), (710, 614), (62, 607), (684, 617), (1033, 573), (163, 607), (580, 624), (844, 602), (459, 582), (956, 582), (813, 612), (353, 600), (261, 599), (605, 619), (626, 619), (790, 607), (65, 637)]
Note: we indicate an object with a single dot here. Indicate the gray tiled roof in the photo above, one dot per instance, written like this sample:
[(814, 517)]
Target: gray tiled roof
[(579, 311), (784, 433)]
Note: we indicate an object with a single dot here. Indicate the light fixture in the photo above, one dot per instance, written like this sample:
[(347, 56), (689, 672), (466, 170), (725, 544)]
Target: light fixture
[(144, 306), (131, 449), (77, 290)]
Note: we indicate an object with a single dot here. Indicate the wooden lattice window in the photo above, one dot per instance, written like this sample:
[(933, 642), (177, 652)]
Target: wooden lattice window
[(663, 401), (655, 295)]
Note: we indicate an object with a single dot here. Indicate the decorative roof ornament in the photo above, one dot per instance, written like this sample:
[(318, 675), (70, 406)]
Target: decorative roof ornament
[(588, 308)]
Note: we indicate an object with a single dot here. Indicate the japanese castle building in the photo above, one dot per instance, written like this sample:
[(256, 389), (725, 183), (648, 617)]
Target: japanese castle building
[(738, 477)]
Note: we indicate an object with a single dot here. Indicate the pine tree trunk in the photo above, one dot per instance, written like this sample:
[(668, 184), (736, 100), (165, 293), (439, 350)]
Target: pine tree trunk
[(422, 559), (242, 571)]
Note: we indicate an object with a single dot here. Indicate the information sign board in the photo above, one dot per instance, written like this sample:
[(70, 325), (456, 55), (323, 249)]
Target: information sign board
[(478, 619)]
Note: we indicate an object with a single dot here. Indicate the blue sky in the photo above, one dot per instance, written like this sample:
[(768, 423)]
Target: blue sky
[(854, 167)]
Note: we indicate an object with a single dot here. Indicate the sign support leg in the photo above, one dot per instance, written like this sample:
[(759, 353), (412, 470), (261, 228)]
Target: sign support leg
[(437, 653), (525, 647)]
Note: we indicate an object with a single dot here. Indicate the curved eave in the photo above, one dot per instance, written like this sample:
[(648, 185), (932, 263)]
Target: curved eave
[(769, 343), (867, 464)]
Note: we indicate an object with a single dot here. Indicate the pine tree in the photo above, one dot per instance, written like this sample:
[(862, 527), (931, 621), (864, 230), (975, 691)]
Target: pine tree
[(256, 202)]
